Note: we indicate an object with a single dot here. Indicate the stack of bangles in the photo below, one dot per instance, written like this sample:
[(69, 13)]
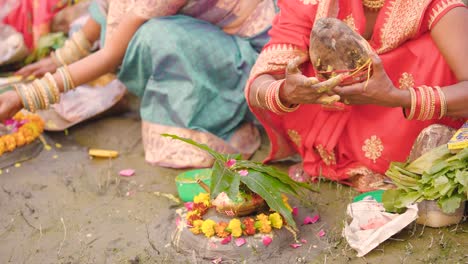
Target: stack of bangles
[(427, 103), (75, 48), (272, 99), (42, 93)]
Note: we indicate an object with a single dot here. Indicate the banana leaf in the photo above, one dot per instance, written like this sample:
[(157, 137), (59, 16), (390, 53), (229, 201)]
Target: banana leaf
[(267, 188)]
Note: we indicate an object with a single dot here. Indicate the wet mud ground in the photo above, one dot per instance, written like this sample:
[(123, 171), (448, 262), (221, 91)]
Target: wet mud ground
[(63, 207)]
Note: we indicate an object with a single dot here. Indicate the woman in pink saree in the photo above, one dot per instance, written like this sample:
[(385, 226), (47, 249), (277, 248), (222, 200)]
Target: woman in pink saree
[(419, 46)]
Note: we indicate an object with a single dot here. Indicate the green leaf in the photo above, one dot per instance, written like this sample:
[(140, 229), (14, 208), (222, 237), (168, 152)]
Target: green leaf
[(224, 180), (450, 204), (390, 200), (425, 162), (462, 177), (215, 154), (270, 190), (283, 177)]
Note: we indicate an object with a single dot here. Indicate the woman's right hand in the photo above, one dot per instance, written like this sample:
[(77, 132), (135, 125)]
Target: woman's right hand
[(300, 89), (38, 69), (10, 104)]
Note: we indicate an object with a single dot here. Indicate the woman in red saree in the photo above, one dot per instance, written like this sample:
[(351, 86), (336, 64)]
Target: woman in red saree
[(418, 42)]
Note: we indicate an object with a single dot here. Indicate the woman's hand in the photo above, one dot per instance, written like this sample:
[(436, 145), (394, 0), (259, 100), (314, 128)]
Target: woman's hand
[(299, 89), (10, 104), (378, 90), (38, 69)]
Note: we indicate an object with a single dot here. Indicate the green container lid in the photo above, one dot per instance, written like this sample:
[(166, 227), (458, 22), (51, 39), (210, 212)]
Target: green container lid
[(187, 185), (377, 195)]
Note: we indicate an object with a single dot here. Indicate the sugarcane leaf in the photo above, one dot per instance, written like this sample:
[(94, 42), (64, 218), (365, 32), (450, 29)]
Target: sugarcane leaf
[(215, 154), (224, 180), (269, 189)]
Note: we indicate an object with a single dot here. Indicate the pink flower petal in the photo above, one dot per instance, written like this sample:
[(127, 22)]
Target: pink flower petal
[(230, 163), (226, 240), (243, 172), (240, 241), (266, 240), (217, 260), (303, 241), (189, 206), (177, 221), (295, 245), (321, 233), (311, 220), (295, 211), (9, 122), (127, 173)]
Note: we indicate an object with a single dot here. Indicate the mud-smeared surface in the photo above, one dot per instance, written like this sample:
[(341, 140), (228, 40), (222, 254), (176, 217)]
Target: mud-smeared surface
[(63, 207)]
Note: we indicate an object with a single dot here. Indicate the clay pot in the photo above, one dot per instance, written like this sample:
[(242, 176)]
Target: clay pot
[(246, 204)]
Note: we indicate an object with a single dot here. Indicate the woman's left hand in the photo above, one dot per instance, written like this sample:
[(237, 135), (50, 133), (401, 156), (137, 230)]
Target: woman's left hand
[(378, 90)]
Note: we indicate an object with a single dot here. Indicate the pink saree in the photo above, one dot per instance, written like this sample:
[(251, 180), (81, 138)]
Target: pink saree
[(339, 144)]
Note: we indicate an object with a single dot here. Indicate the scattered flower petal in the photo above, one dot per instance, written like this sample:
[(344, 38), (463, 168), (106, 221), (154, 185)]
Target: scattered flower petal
[(295, 211), (226, 240), (266, 240), (178, 221), (47, 147), (212, 245), (311, 220), (240, 241), (314, 246), (230, 163), (58, 145), (243, 172), (295, 245), (321, 233), (217, 260), (17, 165), (127, 173), (189, 206), (303, 241)]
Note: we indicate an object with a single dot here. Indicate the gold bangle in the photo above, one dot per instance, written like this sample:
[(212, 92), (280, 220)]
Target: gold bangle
[(37, 96), (443, 102), (54, 87), (59, 57), (432, 107), (278, 100), (27, 92), (21, 95), (81, 49), (68, 75), (413, 103), (423, 100), (43, 94)]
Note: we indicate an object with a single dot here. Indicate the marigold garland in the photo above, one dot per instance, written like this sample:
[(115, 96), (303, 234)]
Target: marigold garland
[(263, 223), (28, 128)]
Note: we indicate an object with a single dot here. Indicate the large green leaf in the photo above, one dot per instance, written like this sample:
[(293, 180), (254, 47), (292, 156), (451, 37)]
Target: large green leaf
[(224, 180), (280, 175), (269, 189), (450, 204)]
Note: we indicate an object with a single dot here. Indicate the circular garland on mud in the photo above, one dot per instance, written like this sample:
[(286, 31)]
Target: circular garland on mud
[(235, 228), (25, 127)]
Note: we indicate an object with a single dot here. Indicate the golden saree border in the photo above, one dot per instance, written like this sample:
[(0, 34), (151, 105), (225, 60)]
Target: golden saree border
[(442, 7), (403, 19), (276, 58)]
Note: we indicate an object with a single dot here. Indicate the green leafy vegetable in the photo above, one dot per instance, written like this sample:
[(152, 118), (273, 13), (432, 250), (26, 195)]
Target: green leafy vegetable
[(436, 175)]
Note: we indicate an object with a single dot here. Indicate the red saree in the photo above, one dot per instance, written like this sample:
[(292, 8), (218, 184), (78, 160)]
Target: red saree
[(340, 144)]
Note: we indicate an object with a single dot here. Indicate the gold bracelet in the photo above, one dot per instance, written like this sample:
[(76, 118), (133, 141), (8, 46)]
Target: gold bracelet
[(28, 95), (443, 102), (423, 100), (68, 75), (54, 87), (432, 107), (43, 94), (413, 103), (21, 95), (278, 100)]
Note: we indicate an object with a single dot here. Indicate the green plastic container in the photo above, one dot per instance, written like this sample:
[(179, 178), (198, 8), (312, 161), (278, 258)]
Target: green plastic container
[(187, 185), (377, 195)]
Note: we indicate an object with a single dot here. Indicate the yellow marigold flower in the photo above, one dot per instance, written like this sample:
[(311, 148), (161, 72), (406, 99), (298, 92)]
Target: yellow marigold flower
[(276, 220), (285, 201), (263, 224), (10, 142), (220, 229), (190, 214), (235, 226), (197, 225), (208, 227), (202, 198), (20, 140)]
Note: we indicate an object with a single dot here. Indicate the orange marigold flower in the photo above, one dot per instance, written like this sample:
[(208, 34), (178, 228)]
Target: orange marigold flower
[(249, 226), (220, 229), (263, 224), (200, 207), (196, 229), (10, 142), (192, 216)]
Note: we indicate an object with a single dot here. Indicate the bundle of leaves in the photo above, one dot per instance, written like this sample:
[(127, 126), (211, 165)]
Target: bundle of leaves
[(45, 45), (266, 181), (437, 175)]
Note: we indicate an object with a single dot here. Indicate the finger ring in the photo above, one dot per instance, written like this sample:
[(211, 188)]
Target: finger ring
[(346, 101)]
